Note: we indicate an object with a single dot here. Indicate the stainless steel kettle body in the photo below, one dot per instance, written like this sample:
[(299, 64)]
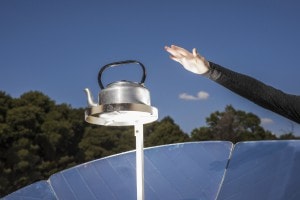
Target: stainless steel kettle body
[(123, 91), (121, 103)]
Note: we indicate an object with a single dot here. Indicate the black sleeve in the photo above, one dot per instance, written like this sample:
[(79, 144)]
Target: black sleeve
[(261, 94)]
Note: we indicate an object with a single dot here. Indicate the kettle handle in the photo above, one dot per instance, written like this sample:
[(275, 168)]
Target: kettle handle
[(117, 64)]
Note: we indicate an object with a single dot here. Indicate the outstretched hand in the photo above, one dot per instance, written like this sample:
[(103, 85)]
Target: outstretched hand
[(192, 62)]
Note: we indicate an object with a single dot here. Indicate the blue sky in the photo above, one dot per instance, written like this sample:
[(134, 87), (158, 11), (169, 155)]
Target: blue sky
[(58, 47)]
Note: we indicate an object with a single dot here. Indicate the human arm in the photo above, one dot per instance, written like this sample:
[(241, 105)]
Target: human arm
[(266, 96)]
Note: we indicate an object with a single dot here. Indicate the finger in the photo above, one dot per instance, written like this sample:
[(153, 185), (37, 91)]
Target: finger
[(175, 58), (180, 50), (174, 51), (170, 50)]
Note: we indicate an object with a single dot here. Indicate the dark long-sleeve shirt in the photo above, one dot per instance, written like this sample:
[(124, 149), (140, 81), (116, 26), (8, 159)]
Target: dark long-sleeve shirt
[(261, 94)]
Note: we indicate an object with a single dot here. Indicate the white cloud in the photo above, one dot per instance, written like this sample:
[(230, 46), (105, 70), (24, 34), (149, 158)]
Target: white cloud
[(186, 96), (265, 121), (200, 96)]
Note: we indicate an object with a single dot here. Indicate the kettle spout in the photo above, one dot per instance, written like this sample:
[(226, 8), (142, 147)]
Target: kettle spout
[(90, 100)]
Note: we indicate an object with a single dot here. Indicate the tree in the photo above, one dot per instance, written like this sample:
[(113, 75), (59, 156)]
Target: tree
[(288, 136), (164, 132), (101, 141), (5, 105), (21, 163), (37, 139), (5, 171), (35, 98), (232, 125)]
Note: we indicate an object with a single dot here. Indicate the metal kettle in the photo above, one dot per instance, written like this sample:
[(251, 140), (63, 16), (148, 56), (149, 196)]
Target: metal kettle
[(119, 97)]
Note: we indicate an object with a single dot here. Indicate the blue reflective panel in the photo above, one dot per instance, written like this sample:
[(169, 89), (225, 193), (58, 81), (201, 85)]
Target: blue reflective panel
[(186, 171), (36, 191), (98, 179), (266, 170), (177, 171)]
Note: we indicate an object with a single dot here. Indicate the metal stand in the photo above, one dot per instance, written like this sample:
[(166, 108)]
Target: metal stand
[(139, 137)]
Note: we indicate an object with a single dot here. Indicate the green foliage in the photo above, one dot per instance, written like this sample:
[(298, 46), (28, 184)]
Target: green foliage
[(232, 125), (98, 142), (288, 136), (5, 105), (164, 132), (39, 137)]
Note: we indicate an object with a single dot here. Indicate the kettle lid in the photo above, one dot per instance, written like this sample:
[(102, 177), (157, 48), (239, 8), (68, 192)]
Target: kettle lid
[(124, 83)]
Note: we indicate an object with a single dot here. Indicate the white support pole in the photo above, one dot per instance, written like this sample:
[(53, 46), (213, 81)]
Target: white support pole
[(139, 138)]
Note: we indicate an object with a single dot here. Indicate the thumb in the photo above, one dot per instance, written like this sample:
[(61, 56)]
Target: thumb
[(195, 53)]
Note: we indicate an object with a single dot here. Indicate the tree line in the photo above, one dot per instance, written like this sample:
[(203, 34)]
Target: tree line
[(39, 137)]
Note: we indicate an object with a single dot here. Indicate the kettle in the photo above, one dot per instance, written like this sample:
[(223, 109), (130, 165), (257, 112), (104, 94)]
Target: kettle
[(122, 102)]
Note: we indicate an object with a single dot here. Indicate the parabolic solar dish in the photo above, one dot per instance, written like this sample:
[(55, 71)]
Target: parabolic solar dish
[(266, 170)]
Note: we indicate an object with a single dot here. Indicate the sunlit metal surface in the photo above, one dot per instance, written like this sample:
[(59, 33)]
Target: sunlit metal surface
[(264, 170), (181, 171), (38, 191), (261, 170), (178, 171)]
